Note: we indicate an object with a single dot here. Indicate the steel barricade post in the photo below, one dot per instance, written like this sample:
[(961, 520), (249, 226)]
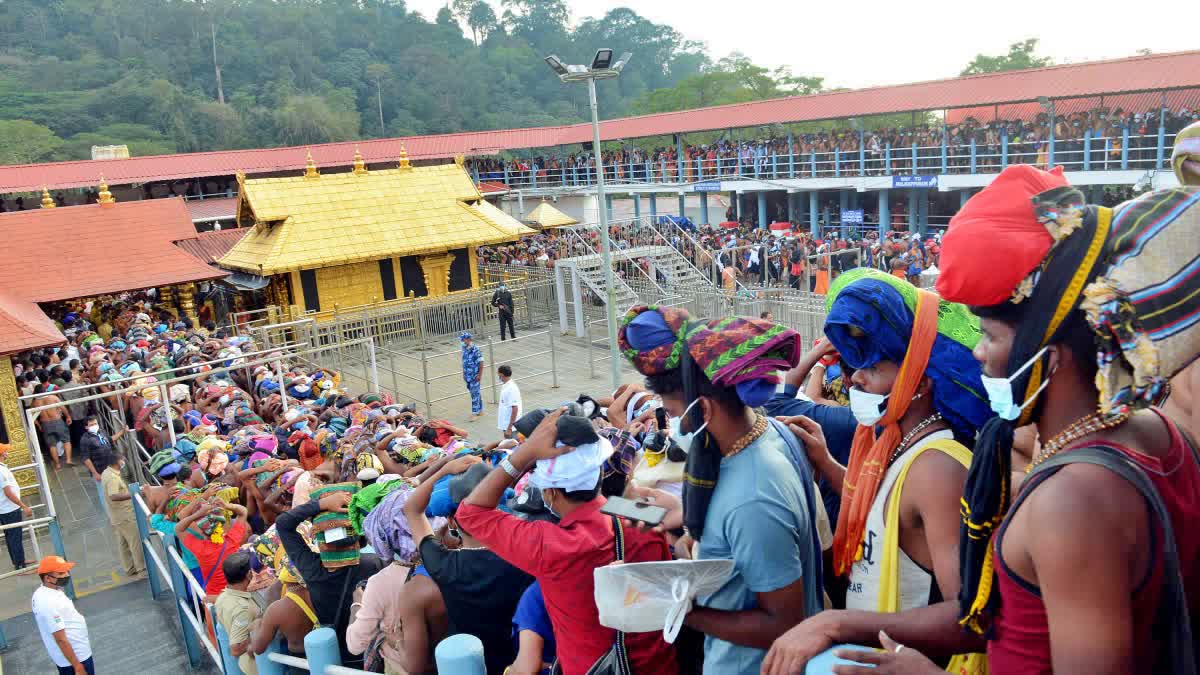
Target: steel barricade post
[(392, 368), (553, 362), (229, 662), (165, 400), (263, 662), (425, 380), (191, 642), (135, 491), (587, 336), (491, 366), (372, 366), (321, 650), (460, 654)]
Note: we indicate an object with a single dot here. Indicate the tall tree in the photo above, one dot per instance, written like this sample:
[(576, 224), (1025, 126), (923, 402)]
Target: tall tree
[(1021, 55), (482, 20), (378, 72)]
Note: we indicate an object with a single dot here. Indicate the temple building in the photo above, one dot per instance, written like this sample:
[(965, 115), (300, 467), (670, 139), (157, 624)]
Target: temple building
[(333, 241), (113, 247), (545, 216)]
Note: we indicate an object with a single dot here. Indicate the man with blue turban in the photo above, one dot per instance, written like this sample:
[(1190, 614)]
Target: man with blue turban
[(917, 389)]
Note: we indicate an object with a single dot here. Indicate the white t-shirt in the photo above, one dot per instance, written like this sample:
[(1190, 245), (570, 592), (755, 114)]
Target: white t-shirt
[(54, 611), (7, 479), (510, 395)]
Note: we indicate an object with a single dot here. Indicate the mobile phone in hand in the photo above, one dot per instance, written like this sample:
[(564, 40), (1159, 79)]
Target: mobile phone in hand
[(635, 510)]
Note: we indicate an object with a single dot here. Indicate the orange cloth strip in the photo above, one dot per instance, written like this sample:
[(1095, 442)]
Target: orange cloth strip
[(868, 454)]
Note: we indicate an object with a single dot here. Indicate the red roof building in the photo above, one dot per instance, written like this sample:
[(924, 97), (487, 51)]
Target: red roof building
[(1153, 73), (212, 246), (111, 248)]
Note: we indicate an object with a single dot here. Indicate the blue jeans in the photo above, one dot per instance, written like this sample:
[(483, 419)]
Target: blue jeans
[(13, 538), (88, 667)]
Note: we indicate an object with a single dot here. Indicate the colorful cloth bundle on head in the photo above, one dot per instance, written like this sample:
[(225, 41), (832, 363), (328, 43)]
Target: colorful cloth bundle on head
[(182, 499), (1028, 243), (365, 500), (739, 353), (870, 318), (1185, 158), (344, 552), (387, 530)]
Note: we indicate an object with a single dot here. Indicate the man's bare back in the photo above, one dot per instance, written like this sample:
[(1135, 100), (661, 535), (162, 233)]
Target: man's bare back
[(290, 619), (52, 413)]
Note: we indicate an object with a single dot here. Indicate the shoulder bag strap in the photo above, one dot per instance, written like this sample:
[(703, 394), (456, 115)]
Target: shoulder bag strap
[(220, 559), (622, 653), (304, 606), (1172, 620), (889, 590)]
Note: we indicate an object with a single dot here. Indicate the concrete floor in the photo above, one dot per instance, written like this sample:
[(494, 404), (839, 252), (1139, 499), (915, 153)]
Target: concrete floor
[(129, 633)]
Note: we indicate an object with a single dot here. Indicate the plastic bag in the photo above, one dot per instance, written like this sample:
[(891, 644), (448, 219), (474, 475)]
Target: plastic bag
[(644, 597)]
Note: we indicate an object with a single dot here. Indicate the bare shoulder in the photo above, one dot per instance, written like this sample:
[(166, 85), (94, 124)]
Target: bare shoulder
[(934, 473), (1084, 501)]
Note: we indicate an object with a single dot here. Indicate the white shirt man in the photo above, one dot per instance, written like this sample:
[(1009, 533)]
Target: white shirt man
[(63, 629), (510, 402)]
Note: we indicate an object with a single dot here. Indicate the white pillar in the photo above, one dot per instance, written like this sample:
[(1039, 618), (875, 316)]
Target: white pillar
[(577, 296), (560, 293)]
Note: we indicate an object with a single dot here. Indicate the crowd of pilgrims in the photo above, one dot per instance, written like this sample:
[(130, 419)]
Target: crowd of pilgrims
[(917, 481)]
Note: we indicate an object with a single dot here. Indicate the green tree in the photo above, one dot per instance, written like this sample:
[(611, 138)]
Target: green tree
[(25, 142), (303, 120), (379, 72), (1021, 55), (482, 20)]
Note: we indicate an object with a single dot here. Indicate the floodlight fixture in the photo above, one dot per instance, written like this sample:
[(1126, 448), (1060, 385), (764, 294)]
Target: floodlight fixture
[(604, 59), (556, 65)]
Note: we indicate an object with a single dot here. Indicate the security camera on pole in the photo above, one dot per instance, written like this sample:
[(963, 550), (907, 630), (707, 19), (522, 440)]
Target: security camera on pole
[(602, 68)]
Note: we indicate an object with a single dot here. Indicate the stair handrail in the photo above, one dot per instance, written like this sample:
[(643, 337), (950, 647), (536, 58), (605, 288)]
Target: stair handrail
[(617, 280)]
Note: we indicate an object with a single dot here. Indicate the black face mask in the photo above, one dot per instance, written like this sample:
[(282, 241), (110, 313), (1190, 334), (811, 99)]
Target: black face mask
[(62, 582)]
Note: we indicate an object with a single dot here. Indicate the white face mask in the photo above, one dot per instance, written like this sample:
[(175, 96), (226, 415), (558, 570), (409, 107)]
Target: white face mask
[(684, 441), (868, 408), (93, 428), (999, 391)]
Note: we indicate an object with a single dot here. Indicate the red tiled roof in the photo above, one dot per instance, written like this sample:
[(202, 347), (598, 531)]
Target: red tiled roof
[(24, 326), (1137, 74), (113, 248), (212, 246), (204, 210), (1130, 103), (487, 187)]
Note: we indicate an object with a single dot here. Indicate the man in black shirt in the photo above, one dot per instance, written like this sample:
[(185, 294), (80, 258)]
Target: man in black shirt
[(502, 300), (481, 589), (331, 591)]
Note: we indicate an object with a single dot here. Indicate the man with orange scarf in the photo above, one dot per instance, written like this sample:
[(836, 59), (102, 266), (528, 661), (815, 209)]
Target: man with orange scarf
[(917, 394)]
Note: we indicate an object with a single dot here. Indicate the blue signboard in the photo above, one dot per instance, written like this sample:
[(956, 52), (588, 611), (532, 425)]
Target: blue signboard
[(852, 217), (707, 186), (914, 181)]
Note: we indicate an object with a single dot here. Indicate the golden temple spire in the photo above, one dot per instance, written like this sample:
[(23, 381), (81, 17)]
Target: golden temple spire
[(105, 197), (404, 165), (47, 201), (459, 160), (310, 167), (360, 167)]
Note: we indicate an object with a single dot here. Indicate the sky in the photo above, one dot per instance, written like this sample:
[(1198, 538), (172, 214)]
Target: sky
[(871, 42)]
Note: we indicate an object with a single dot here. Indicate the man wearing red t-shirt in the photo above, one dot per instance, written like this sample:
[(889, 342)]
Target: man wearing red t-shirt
[(563, 556), (209, 553)]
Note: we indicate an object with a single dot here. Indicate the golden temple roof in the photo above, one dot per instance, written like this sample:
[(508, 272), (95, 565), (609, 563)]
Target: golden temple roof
[(343, 218), (545, 215)]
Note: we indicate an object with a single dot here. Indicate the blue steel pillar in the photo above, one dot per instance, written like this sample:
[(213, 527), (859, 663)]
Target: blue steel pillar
[(762, 210), (963, 196), (1087, 150), (1003, 149), (704, 208), (912, 209), (825, 219), (1124, 147), (973, 156), (843, 204), (812, 212), (862, 152), (608, 201), (653, 208), (1050, 150), (791, 202), (885, 216), (682, 205), (637, 205), (791, 158), (680, 163), (1162, 135), (321, 649), (923, 212)]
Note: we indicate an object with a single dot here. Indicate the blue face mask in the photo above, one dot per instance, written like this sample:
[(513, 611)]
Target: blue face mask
[(999, 391)]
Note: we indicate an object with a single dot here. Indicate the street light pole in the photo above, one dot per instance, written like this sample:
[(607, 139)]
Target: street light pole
[(603, 68), (605, 246)]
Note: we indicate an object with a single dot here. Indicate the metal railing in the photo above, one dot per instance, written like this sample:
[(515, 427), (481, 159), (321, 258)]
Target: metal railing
[(1089, 152)]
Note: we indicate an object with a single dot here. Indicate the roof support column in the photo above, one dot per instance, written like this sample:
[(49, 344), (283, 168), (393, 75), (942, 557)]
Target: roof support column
[(762, 210), (704, 208), (885, 216), (813, 227)]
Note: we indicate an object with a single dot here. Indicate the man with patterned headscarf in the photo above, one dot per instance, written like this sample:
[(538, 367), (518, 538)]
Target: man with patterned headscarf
[(1184, 404), (748, 493), (1091, 563), (915, 381)]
